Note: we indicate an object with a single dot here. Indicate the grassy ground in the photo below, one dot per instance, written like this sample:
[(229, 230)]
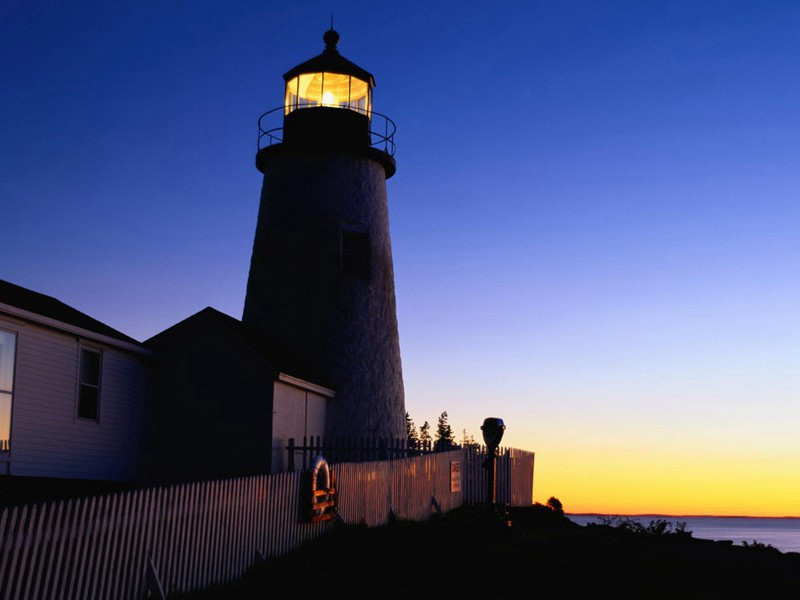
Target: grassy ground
[(469, 555)]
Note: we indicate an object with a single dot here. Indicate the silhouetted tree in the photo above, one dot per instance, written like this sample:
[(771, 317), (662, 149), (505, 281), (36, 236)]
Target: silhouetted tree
[(425, 433), (411, 432), (444, 433), (555, 505)]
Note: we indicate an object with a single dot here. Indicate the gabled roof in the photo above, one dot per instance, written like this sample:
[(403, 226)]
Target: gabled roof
[(46, 306), (283, 358)]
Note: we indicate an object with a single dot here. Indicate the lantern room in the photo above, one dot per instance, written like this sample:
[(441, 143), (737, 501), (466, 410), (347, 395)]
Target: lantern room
[(329, 80), (327, 105)]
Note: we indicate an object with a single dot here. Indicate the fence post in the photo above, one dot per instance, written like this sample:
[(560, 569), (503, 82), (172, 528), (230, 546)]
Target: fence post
[(383, 450), (290, 458)]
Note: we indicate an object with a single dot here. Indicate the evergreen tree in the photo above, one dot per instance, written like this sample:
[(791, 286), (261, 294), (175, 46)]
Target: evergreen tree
[(411, 432), (444, 433), (425, 433)]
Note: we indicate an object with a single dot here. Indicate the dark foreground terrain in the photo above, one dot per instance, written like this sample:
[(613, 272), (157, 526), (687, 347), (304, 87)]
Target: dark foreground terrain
[(467, 555)]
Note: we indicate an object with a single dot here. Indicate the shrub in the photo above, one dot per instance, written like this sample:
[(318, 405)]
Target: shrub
[(754, 545), (681, 531), (556, 506), (655, 528)]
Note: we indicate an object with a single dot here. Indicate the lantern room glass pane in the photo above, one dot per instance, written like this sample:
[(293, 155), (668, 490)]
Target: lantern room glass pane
[(308, 90), (360, 96), (335, 90), (328, 89), (290, 102)]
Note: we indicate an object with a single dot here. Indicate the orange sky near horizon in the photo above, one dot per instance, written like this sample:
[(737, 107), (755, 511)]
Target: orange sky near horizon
[(670, 482), (671, 455), (698, 443)]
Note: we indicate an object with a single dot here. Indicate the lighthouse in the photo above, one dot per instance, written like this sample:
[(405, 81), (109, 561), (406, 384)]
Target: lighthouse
[(321, 278)]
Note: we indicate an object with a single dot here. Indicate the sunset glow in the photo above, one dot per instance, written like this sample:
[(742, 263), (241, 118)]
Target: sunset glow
[(660, 481)]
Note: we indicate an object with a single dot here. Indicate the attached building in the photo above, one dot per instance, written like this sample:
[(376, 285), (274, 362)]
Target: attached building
[(228, 397)]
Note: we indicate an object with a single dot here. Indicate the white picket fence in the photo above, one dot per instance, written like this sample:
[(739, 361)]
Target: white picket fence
[(195, 535)]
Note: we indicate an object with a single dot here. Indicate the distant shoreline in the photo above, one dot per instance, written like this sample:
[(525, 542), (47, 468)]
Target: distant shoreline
[(782, 533)]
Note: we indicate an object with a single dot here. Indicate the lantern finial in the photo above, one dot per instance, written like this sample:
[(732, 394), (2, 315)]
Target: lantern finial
[(331, 38)]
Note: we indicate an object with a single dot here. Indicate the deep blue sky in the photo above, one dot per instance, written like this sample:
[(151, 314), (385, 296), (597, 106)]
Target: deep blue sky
[(594, 219)]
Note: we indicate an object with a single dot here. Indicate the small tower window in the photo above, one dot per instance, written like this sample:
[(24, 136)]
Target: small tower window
[(355, 253)]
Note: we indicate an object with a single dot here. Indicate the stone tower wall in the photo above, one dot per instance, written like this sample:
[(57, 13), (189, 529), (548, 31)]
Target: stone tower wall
[(345, 325)]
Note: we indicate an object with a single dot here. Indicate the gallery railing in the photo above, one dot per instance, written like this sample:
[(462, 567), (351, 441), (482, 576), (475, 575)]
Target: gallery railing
[(381, 128)]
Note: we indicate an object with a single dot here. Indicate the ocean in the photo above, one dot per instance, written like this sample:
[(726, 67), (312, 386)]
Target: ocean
[(783, 533)]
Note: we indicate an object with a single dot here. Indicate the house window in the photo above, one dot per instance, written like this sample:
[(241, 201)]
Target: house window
[(355, 253), (89, 393), (8, 350)]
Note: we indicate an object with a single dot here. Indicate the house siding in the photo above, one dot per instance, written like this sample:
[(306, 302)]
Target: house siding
[(47, 438)]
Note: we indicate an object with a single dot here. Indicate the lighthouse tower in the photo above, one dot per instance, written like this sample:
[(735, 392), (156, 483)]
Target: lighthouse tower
[(321, 278)]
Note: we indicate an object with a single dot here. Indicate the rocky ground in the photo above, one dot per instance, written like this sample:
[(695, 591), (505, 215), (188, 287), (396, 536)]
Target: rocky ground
[(471, 555)]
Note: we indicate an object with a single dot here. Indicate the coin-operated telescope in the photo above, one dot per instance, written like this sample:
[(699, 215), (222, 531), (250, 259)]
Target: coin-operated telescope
[(492, 429)]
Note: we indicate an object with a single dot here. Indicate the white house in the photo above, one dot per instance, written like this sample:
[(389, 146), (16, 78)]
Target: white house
[(73, 392)]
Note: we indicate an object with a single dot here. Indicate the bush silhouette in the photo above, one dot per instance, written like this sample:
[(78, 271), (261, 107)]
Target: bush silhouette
[(760, 546), (556, 506), (655, 528)]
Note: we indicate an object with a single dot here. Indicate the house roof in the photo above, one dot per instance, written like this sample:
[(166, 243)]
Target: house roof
[(278, 354), (52, 308)]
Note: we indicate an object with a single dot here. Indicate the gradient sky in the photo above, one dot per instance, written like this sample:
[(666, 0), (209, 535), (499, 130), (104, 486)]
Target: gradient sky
[(594, 219)]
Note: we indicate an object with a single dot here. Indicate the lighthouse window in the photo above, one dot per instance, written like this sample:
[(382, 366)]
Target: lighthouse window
[(355, 253)]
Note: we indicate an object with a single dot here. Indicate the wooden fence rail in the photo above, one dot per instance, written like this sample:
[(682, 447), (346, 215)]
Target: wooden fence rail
[(200, 534)]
